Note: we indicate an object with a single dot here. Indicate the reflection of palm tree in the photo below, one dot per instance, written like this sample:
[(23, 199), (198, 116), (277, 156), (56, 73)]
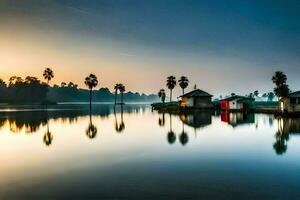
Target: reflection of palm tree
[(48, 137), (91, 131), (183, 83), (91, 81), (183, 138), (119, 127), (280, 146), (171, 83), (161, 121), (171, 134)]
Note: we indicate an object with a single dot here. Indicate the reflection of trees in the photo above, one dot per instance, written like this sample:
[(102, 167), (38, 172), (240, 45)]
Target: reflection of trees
[(282, 136), (171, 135), (91, 131), (286, 127), (183, 137), (280, 146), (119, 127), (161, 121), (28, 121), (2, 121), (48, 137)]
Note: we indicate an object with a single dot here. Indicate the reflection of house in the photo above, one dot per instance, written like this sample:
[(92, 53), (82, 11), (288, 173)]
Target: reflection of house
[(197, 120), (236, 103), (196, 99), (290, 125), (236, 119), (291, 103)]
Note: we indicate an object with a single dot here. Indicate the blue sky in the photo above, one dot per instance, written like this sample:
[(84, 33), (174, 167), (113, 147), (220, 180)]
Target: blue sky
[(222, 46)]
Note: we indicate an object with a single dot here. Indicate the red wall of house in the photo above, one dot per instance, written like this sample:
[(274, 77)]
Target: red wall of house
[(224, 105), (225, 116)]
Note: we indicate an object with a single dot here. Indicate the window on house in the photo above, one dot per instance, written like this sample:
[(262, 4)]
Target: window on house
[(293, 101)]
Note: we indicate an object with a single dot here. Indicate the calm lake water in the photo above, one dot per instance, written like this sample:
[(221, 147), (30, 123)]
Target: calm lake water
[(139, 154)]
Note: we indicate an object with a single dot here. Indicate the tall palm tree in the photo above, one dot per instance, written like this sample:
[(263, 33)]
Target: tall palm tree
[(279, 78), (91, 81), (122, 90), (281, 89), (183, 83), (116, 88), (171, 83), (48, 75), (162, 95)]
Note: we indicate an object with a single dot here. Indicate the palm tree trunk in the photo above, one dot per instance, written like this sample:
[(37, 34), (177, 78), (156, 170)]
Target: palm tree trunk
[(182, 91), (170, 95), (170, 122), (116, 96), (46, 95), (121, 113), (122, 98), (90, 100), (91, 118)]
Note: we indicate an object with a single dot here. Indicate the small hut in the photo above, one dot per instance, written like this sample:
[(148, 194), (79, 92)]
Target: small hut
[(236, 102), (291, 103), (196, 99)]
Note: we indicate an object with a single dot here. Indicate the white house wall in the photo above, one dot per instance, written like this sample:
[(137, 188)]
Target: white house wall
[(191, 102)]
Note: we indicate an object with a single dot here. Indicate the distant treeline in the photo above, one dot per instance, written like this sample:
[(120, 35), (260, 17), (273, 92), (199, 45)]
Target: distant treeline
[(33, 90), (71, 93)]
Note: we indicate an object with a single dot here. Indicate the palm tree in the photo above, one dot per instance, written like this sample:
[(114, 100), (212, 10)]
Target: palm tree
[(122, 90), (281, 89), (91, 81), (48, 75), (183, 83), (171, 83), (279, 78), (256, 93), (162, 95), (117, 86)]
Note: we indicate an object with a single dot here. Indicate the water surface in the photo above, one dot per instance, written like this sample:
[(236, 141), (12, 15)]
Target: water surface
[(134, 153)]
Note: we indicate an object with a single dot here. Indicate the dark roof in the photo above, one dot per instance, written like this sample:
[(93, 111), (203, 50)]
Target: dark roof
[(197, 93), (295, 94), (235, 97)]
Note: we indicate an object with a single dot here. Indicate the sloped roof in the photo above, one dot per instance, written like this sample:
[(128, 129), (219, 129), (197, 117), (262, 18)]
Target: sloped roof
[(197, 93), (237, 97), (295, 94)]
